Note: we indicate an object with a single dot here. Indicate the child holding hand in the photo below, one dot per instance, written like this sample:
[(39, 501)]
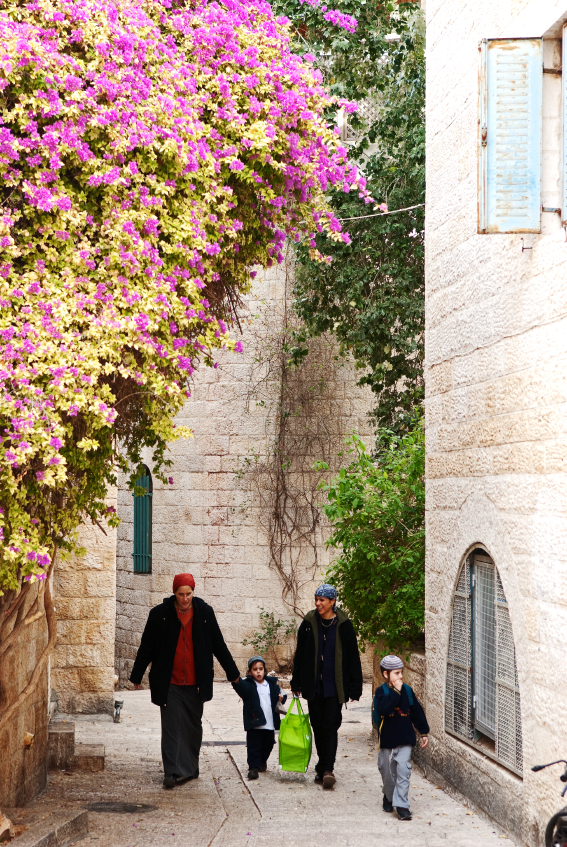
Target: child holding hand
[(261, 696)]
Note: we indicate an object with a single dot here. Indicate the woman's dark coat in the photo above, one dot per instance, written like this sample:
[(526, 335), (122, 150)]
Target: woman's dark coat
[(348, 670), (159, 642), (252, 711)]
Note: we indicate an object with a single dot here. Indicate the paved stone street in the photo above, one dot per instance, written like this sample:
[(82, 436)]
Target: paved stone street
[(223, 809)]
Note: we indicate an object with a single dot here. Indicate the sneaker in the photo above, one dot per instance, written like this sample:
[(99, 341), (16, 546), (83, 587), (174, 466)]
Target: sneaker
[(403, 814), (263, 767), (253, 773), (318, 779), (328, 779), (386, 805), (169, 781)]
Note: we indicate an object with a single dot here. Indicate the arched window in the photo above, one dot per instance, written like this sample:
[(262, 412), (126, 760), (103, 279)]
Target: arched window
[(143, 524), (482, 704)]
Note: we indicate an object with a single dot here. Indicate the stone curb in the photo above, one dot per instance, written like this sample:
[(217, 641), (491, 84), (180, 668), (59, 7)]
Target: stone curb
[(55, 831)]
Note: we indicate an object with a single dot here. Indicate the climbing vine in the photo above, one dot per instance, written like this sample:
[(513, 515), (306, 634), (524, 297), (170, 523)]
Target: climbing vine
[(306, 420)]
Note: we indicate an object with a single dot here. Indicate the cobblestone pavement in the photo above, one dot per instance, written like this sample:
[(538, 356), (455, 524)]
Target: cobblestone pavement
[(223, 809)]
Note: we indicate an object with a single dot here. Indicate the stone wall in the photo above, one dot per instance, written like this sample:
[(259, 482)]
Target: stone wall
[(82, 664), (496, 436), (23, 770), (208, 522)]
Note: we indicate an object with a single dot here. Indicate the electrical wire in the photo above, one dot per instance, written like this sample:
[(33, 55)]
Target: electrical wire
[(380, 214)]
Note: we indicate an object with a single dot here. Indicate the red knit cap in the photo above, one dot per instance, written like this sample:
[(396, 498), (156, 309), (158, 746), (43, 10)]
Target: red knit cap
[(183, 579)]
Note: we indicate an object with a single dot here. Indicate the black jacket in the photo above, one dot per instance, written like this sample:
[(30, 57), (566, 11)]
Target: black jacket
[(348, 670), (398, 717), (159, 642), (252, 711)]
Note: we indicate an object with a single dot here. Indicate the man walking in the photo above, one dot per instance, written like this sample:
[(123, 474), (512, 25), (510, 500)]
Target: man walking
[(180, 639), (326, 672)]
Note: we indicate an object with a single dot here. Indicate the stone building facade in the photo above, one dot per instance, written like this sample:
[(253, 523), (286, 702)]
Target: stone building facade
[(210, 522), (23, 740), (82, 663), (496, 404)]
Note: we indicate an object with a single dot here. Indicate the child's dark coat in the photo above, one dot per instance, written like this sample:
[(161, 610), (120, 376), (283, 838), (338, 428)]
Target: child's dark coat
[(398, 717), (251, 710)]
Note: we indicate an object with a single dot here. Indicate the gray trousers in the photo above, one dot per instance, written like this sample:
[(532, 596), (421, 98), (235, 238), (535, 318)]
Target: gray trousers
[(181, 731), (394, 765)]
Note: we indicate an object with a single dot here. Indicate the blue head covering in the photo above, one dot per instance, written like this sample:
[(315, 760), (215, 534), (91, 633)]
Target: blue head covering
[(326, 590)]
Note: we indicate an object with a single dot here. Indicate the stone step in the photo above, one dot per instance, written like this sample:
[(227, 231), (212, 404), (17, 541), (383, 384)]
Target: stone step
[(56, 830), (61, 745), (88, 757)]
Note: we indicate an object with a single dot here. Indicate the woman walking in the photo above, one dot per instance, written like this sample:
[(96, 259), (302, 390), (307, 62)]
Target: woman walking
[(327, 673), (180, 639)]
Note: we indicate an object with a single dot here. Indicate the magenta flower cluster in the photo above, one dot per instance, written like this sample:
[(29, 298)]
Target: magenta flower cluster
[(151, 152)]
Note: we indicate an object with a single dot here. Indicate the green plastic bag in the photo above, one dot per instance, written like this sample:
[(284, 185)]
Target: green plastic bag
[(295, 741)]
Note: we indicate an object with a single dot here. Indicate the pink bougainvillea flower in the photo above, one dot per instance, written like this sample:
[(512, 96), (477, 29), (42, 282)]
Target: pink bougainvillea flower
[(163, 151)]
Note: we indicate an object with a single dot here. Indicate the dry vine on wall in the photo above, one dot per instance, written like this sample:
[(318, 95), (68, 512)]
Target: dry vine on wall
[(306, 419)]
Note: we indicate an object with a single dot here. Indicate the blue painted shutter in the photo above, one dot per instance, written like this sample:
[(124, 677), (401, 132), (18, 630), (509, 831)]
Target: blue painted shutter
[(564, 110), (143, 525), (510, 133)]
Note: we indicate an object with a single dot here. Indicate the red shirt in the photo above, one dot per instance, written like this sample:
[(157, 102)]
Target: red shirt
[(184, 661)]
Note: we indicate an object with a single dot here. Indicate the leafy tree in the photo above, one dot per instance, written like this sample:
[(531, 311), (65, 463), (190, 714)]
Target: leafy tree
[(376, 506), (372, 294), (152, 153)]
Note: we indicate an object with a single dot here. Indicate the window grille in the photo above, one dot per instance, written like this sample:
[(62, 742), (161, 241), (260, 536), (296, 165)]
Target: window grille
[(142, 554), (482, 694)]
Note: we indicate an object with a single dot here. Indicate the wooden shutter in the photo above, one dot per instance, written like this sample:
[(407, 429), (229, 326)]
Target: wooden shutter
[(564, 112), (458, 699), (510, 135), (143, 525)]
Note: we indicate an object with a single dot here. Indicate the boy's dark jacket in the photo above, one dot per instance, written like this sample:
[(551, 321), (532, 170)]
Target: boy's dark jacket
[(159, 642), (348, 670), (399, 717), (252, 711)]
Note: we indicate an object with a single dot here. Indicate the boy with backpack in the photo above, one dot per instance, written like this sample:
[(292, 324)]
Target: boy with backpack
[(261, 696), (396, 711)]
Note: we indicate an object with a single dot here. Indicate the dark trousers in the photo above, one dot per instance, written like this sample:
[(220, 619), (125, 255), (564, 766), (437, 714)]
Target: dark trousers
[(259, 743), (181, 731), (325, 714)]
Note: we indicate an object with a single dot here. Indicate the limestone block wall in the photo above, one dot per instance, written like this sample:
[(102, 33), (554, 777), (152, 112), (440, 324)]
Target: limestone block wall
[(207, 522), (82, 664), (496, 406), (23, 770)]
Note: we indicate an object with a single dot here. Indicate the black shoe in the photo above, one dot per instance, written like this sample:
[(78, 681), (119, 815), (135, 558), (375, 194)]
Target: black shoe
[(318, 779), (169, 781), (263, 767), (403, 814), (328, 779), (253, 773), (386, 805)]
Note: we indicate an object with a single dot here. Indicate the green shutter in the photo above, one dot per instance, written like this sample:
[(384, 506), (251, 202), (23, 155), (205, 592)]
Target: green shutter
[(143, 525)]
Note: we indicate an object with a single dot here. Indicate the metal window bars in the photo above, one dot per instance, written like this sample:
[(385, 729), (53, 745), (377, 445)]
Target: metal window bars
[(482, 693), (142, 554)]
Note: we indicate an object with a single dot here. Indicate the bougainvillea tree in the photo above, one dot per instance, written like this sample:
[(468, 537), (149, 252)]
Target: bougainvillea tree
[(151, 153)]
